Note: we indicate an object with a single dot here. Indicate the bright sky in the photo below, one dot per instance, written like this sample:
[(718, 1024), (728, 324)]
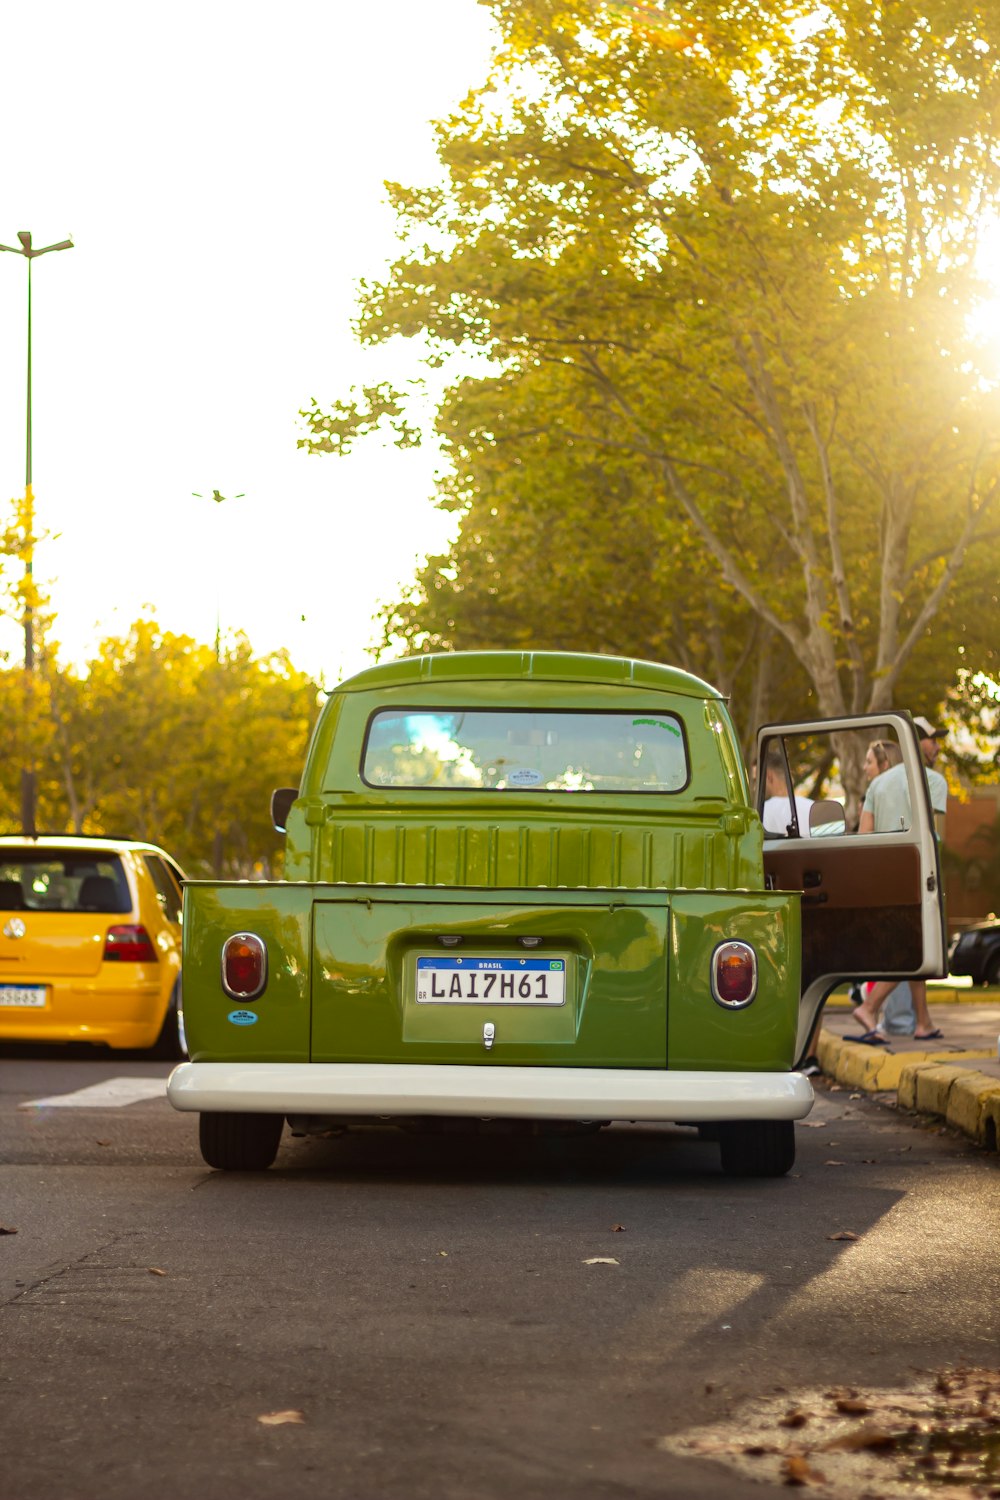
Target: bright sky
[(219, 166)]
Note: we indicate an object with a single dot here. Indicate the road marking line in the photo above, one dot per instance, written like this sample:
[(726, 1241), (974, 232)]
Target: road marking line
[(114, 1092)]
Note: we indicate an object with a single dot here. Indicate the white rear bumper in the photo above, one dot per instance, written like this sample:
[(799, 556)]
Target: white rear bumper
[(488, 1092)]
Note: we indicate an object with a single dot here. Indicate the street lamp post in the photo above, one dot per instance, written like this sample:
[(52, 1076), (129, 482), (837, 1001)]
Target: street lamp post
[(30, 253), (220, 499)]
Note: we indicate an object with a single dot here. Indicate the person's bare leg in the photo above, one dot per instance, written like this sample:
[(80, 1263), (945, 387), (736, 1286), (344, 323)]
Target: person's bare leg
[(918, 990), (867, 1013)]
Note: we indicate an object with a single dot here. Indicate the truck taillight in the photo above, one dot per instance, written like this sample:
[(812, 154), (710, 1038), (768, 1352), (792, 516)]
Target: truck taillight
[(734, 975), (129, 943), (244, 966)]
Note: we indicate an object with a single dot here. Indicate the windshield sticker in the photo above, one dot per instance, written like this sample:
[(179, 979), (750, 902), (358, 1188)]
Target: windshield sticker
[(523, 776), (658, 724)]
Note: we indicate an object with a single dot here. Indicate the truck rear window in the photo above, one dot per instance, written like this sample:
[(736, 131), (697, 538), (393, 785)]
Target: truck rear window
[(48, 880), (521, 750)]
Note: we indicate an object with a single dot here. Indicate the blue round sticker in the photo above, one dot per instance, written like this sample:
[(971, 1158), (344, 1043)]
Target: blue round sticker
[(243, 1017)]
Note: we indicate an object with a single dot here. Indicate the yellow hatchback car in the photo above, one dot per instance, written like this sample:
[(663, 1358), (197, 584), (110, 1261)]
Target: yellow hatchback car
[(90, 943)]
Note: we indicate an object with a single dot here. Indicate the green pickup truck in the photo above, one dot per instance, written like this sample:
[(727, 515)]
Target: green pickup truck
[(534, 889)]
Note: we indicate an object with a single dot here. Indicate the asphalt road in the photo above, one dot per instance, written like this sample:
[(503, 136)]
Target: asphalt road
[(451, 1317)]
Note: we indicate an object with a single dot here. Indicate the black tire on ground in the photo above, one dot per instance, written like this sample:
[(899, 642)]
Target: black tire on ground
[(239, 1143), (757, 1148), (169, 1045), (992, 975)]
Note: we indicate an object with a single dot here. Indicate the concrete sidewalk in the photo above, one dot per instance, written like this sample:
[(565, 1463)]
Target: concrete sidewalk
[(957, 1077)]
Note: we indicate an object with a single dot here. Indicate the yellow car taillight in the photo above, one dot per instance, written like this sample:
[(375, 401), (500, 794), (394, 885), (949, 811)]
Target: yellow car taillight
[(129, 942)]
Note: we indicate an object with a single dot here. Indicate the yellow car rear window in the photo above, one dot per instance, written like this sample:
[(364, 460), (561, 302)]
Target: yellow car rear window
[(47, 880)]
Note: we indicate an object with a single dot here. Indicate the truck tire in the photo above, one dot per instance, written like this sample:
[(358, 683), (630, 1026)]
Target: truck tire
[(992, 969), (239, 1143), (757, 1148)]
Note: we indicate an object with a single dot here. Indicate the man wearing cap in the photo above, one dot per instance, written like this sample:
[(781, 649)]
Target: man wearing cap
[(887, 810)]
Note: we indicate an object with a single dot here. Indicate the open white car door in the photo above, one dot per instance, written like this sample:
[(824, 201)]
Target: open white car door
[(871, 904)]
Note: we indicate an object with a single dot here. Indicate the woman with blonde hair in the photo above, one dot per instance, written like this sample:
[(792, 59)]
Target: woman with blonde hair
[(880, 755)]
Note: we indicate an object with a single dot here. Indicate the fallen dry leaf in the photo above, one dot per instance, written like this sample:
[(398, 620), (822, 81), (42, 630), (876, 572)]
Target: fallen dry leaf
[(708, 1445), (601, 1260), (618, 1229), (844, 1234), (156, 1271), (102, 1143), (867, 1437), (4, 1229), (854, 1096), (835, 1164), (442, 1252), (852, 1405), (280, 1418), (795, 1470), (794, 1417)]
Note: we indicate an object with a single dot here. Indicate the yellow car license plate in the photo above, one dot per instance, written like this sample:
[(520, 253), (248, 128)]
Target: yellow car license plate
[(22, 996)]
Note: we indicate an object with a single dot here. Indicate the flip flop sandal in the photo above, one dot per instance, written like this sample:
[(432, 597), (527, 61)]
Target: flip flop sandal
[(932, 1036), (871, 1039)]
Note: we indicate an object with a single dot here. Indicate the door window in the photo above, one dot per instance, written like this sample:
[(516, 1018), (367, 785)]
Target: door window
[(166, 888)]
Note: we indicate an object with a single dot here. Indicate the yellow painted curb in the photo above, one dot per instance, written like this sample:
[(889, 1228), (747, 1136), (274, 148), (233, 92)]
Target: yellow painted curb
[(906, 1094), (934, 1084), (967, 1106), (925, 1081), (872, 1068), (989, 1121), (937, 994)]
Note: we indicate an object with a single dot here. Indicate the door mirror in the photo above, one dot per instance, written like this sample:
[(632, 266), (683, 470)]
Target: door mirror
[(826, 820), (281, 805)]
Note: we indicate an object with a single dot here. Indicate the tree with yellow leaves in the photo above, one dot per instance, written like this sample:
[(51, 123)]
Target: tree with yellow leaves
[(717, 264)]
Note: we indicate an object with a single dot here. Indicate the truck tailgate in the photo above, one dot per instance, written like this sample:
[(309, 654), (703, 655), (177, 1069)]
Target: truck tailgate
[(491, 977)]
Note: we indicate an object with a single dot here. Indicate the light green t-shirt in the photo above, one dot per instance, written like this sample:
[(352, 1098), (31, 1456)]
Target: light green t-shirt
[(888, 798)]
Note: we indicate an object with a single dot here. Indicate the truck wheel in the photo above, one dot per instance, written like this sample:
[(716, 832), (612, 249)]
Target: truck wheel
[(239, 1143), (992, 975), (757, 1148)]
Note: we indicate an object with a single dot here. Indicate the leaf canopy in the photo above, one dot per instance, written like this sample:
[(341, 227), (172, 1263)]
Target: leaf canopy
[(720, 261)]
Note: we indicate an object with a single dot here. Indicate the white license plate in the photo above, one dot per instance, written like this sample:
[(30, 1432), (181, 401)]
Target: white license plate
[(491, 981), (21, 996)]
